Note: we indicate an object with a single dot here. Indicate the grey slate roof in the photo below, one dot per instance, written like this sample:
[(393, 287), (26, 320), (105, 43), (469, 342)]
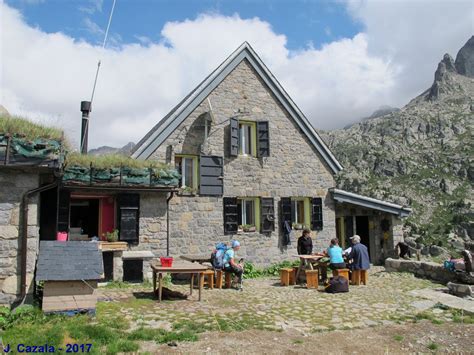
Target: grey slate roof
[(158, 134), (369, 202), (69, 261)]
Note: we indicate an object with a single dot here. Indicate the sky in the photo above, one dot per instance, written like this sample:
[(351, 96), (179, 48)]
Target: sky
[(339, 60)]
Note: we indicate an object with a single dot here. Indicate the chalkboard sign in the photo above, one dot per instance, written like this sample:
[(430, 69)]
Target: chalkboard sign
[(128, 224)]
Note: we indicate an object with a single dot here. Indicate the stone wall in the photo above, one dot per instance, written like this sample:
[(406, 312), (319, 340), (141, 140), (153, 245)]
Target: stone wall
[(14, 183), (425, 269), (294, 169)]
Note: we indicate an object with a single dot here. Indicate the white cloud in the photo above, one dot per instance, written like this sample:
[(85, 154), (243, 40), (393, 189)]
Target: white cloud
[(92, 7), (140, 82)]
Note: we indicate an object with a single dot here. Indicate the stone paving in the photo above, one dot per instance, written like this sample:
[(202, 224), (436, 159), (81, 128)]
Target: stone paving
[(264, 304)]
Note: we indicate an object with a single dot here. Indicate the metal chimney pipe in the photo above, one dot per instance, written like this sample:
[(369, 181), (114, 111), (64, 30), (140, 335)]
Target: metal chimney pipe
[(85, 109)]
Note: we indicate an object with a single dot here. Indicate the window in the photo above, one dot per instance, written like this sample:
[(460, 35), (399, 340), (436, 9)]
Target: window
[(300, 208), (248, 213), (247, 136), (187, 167)]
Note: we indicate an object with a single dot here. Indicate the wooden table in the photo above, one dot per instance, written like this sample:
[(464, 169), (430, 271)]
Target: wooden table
[(179, 267), (197, 258), (305, 263)]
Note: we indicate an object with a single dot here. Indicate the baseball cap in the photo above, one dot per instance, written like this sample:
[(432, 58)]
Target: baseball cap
[(235, 243)]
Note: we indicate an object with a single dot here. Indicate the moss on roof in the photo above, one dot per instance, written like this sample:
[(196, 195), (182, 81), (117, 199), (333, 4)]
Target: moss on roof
[(14, 125)]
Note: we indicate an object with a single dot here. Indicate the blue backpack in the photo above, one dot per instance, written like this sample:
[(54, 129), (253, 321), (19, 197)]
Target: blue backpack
[(217, 256)]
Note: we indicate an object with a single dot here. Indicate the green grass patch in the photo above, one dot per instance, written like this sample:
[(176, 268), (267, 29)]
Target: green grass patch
[(109, 161), (252, 272), (398, 337), (29, 130), (298, 341), (433, 346)]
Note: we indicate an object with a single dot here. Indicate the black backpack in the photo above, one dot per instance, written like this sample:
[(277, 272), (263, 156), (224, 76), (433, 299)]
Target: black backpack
[(337, 284)]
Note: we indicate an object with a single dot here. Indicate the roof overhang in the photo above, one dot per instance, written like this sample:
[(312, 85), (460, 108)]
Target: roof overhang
[(369, 202), (170, 122)]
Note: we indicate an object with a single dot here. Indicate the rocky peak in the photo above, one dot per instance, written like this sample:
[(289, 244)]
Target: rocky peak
[(465, 59)]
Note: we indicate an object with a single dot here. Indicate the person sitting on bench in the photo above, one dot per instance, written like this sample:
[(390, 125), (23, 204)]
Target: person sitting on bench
[(229, 262), (336, 261), (359, 255)]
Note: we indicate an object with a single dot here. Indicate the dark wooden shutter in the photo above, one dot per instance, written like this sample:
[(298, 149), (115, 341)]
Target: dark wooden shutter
[(285, 210), (211, 172), (267, 215), (230, 215), (263, 139), (317, 214), (234, 137), (128, 217), (63, 210)]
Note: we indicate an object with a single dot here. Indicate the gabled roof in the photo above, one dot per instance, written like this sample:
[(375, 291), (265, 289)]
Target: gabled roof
[(180, 112), (369, 202), (69, 261)]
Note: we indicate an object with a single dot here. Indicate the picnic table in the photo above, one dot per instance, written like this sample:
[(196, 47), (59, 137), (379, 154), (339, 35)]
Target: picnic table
[(306, 263), (197, 258), (179, 267)]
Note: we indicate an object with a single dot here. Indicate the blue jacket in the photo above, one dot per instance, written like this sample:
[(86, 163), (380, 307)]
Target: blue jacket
[(360, 256)]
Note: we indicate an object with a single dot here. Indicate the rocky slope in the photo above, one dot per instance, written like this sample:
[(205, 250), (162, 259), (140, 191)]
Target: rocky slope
[(421, 155)]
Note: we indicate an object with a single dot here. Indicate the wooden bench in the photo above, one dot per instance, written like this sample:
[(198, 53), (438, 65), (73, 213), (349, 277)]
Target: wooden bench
[(341, 272), (227, 278), (312, 278), (208, 279), (287, 276), (360, 277)]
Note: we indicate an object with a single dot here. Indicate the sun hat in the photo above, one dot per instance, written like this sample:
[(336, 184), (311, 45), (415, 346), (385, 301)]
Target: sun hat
[(235, 243)]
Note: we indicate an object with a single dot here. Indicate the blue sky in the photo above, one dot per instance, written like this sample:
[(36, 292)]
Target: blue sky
[(304, 22), (339, 60)]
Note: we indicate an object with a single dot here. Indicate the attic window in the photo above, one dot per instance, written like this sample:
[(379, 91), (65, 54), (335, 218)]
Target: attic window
[(247, 138), (187, 166)]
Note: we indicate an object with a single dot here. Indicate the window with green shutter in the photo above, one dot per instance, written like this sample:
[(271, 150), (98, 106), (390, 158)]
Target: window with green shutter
[(231, 223), (317, 214)]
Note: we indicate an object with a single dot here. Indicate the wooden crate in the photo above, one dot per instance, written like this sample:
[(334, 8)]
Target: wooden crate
[(69, 295), (113, 246)]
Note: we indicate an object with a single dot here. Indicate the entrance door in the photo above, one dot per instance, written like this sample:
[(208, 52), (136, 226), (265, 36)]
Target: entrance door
[(362, 229)]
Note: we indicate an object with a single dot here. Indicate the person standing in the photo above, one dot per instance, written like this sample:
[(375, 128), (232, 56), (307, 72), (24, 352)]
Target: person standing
[(305, 243), (359, 255)]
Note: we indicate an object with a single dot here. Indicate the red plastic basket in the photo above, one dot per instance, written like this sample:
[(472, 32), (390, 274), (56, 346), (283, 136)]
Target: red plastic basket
[(166, 261)]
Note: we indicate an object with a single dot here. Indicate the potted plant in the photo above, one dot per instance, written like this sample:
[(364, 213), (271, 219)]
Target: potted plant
[(249, 228), (186, 190), (112, 236)]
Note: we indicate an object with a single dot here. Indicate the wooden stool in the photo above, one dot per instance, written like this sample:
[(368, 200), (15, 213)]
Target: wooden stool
[(360, 276), (287, 277), (208, 279), (218, 278), (312, 278), (228, 279), (341, 272)]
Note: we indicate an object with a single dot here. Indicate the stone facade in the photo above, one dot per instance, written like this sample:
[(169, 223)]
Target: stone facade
[(293, 169), (14, 184)]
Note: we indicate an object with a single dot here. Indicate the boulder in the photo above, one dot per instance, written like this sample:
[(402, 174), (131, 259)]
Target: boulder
[(435, 250), (460, 290)]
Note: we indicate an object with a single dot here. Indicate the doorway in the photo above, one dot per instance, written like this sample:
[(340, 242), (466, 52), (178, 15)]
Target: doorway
[(85, 215), (362, 229), (48, 214)]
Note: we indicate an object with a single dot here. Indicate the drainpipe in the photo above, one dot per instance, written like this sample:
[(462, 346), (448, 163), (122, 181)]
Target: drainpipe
[(168, 223), (24, 233)]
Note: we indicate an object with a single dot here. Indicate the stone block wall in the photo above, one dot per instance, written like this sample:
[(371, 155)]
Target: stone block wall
[(425, 269), (13, 184), (293, 169)]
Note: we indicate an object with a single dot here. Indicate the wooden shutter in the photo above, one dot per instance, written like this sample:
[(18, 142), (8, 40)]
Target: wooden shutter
[(267, 215), (230, 215), (234, 137), (128, 217), (211, 172), (63, 210), (285, 210), (263, 139), (317, 214)]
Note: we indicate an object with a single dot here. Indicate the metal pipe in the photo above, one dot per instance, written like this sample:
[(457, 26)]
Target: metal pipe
[(85, 109), (168, 223), (24, 233)]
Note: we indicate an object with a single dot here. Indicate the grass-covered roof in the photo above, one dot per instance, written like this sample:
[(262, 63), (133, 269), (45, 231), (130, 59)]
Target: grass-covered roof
[(13, 125)]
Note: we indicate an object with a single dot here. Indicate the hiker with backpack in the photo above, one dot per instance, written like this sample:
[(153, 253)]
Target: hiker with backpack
[(229, 262)]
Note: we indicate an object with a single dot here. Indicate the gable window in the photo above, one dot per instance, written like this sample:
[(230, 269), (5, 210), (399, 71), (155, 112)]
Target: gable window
[(247, 134), (187, 166)]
